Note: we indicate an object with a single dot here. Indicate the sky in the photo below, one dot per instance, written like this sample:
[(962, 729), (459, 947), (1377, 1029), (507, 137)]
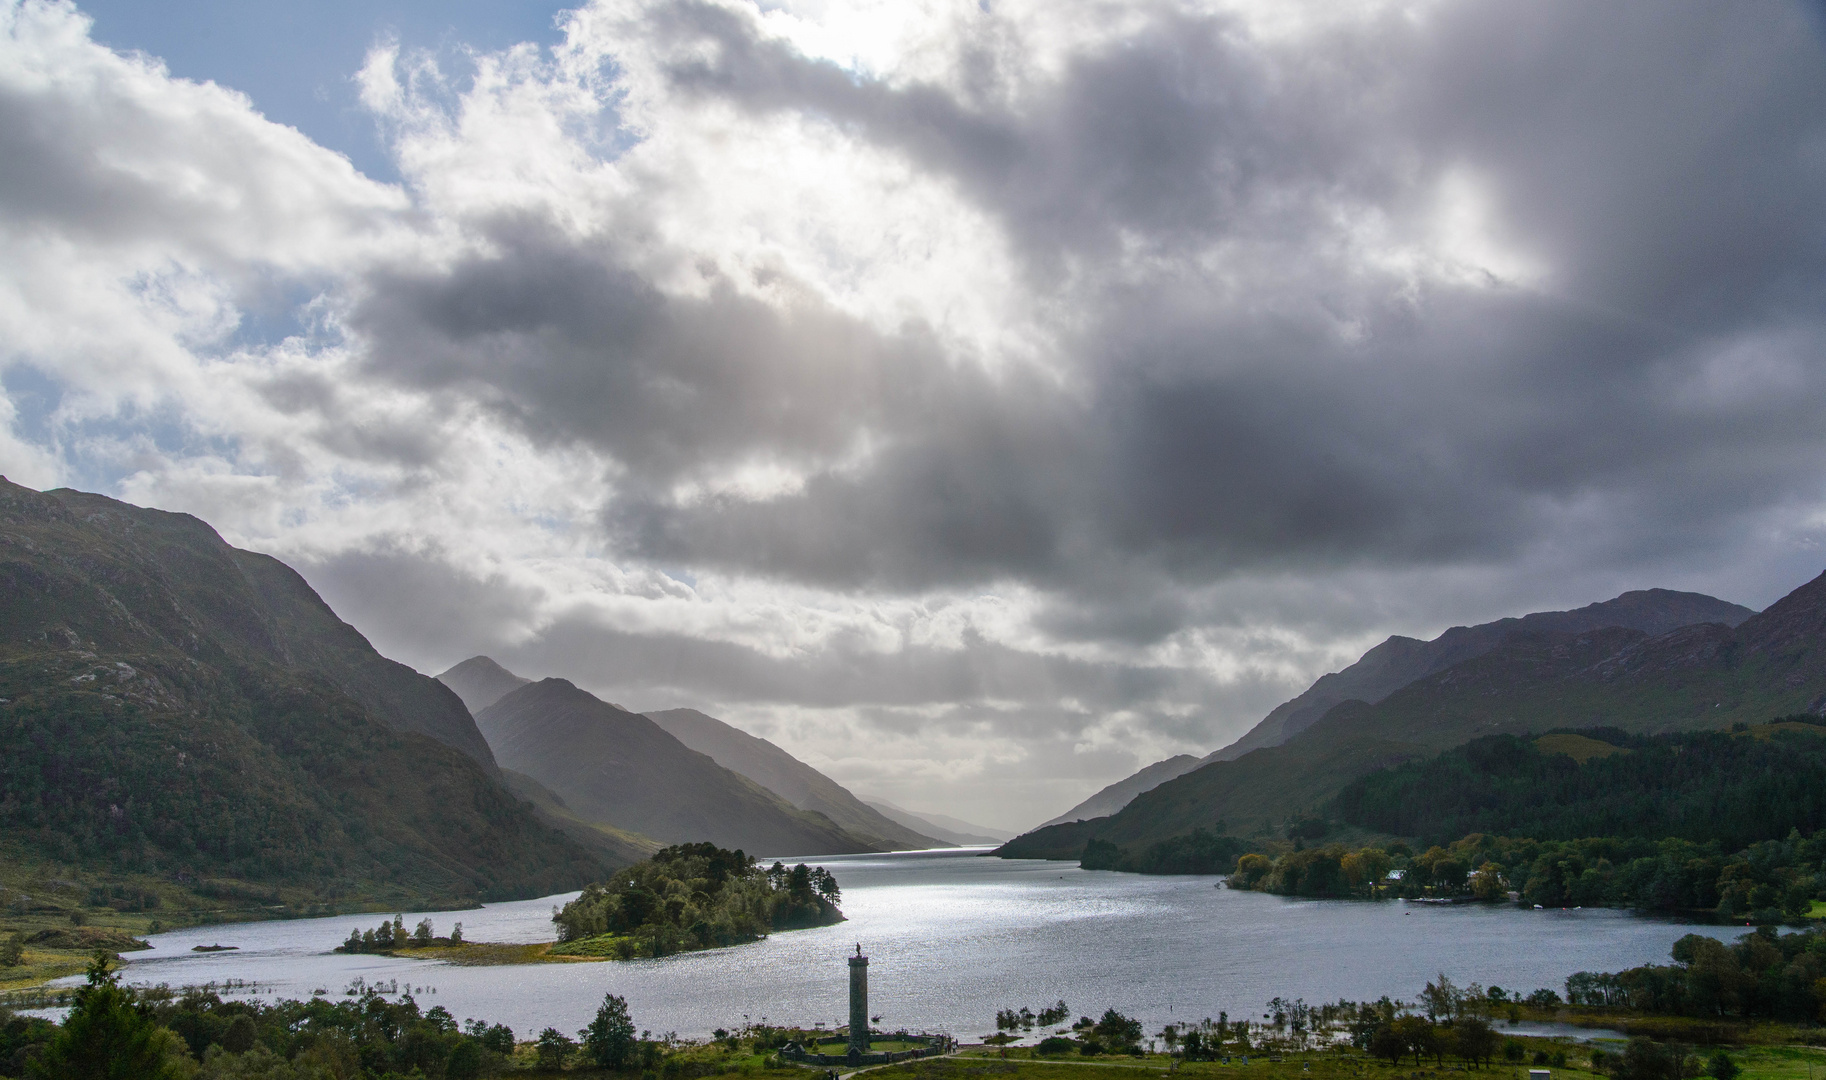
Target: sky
[(979, 400)]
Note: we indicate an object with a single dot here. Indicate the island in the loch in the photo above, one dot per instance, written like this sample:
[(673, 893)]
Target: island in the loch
[(683, 898)]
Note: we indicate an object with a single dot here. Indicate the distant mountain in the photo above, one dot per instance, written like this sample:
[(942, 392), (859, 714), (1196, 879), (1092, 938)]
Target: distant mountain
[(788, 777), (481, 682), (949, 829), (1118, 794), (616, 767), (172, 705), (1536, 679), (1401, 660)]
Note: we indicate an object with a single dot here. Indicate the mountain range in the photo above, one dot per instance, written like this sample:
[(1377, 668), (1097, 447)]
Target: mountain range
[(646, 772), (791, 779), (1400, 661), (619, 767), (1538, 675), (175, 706), (945, 827), (868, 825)]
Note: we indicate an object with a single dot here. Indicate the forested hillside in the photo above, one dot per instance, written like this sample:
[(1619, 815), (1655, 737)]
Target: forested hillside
[(1735, 788), (174, 707)]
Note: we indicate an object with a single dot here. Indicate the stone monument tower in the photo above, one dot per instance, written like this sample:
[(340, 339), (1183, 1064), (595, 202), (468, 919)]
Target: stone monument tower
[(859, 1003)]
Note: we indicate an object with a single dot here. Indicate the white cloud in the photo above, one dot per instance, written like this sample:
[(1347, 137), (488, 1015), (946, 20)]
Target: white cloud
[(982, 402)]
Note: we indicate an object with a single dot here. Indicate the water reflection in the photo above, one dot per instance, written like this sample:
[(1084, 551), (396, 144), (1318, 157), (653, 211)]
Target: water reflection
[(952, 937)]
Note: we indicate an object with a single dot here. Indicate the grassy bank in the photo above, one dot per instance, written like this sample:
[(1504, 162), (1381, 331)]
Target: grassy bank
[(63, 912)]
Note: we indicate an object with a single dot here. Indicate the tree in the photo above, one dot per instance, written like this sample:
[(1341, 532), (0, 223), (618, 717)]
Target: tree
[(1416, 1035), (554, 1048), (12, 950), (609, 1039), (1487, 883), (1387, 1042), (1477, 1040), (1443, 999), (465, 1061), (1721, 1067), (1646, 1059), (422, 933), (241, 1035), (109, 1036), (1115, 1029)]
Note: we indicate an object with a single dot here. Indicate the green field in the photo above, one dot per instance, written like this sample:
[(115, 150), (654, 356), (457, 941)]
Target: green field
[(1019, 1063)]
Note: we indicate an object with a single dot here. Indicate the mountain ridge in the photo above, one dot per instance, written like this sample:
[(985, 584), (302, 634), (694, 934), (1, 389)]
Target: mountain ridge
[(619, 768), (950, 829), (1397, 661), (1693, 677), (788, 777)]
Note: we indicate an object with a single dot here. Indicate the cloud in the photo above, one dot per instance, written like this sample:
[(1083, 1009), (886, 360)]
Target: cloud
[(1021, 390)]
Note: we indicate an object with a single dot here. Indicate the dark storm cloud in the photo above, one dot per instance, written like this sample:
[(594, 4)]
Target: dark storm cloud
[(1298, 409)]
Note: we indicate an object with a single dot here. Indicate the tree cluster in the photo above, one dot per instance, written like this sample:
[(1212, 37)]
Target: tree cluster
[(1763, 974), (1769, 881), (1025, 1018), (392, 936), (697, 896), (1198, 852), (1112, 1033)]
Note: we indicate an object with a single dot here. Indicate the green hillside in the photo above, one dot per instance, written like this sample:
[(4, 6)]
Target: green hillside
[(1700, 677), (175, 710), (1734, 788)]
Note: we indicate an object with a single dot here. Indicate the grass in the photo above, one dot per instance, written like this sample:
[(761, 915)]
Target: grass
[(987, 1063), (1580, 748), (876, 1046), (1780, 1062)]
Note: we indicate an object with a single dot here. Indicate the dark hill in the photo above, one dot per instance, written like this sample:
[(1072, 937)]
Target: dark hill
[(618, 767), (1689, 678), (172, 705), (788, 777)]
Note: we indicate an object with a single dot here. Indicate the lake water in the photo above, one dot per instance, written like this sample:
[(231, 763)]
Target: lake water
[(951, 938)]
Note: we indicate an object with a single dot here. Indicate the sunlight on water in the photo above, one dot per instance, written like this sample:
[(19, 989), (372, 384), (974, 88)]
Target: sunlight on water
[(952, 937)]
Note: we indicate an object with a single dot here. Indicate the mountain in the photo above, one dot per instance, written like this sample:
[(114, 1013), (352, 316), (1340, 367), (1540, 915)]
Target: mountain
[(949, 829), (177, 707), (481, 682), (788, 777), (626, 847), (1694, 677), (616, 767), (1118, 794), (1401, 660)]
